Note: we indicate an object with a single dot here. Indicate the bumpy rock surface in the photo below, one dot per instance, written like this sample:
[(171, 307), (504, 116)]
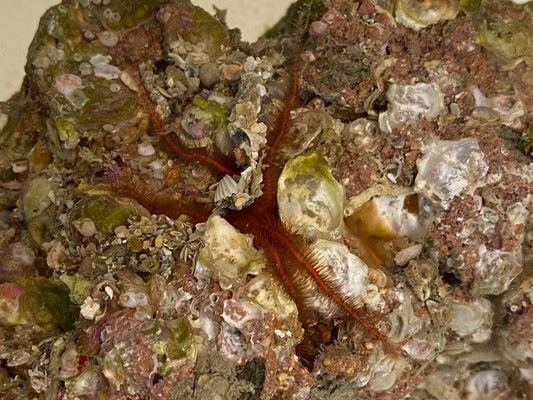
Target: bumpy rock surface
[(408, 168)]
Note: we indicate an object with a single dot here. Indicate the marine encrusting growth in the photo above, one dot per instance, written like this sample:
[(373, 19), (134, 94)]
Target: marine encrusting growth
[(340, 210), (320, 293)]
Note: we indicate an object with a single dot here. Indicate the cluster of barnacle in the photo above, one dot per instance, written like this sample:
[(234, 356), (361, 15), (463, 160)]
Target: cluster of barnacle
[(301, 267), (298, 222)]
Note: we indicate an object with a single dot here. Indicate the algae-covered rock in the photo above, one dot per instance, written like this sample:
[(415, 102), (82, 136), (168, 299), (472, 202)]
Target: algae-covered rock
[(203, 122), (70, 60), (98, 213), (10, 310), (38, 198), (35, 302), (79, 287), (134, 350), (506, 30), (183, 20), (183, 345), (144, 126)]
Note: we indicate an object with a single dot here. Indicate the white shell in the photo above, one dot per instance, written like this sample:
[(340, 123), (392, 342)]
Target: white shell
[(145, 149), (486, 384), (508, 115), (348, 268), (90, 309), (496, 269), (407, 102), (450, 168), (392, 214), (132, 299), (238, 194), (225, 188), (416, 14), (85, 226), (227, 252), (472, 319)]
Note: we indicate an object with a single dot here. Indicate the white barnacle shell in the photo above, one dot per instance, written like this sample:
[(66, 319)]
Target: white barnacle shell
[(472, 318), (226, 188), (450, 168), (71, 86), (416, 14), (495, 270), (85, 226), (488, 383), (237, 314), (386, 373), (309, 197), (90, 308), (237, 194), (86, 383), (347, 272), (266, 291), (227, 252), (132, 299), (408, 102), (404, 321)]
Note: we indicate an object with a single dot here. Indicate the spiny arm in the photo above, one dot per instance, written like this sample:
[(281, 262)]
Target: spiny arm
[(222, 165)]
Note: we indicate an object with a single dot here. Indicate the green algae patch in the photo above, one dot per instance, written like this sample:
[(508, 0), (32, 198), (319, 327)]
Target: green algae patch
[(37, 301), (506, 30), (182, 332), (194, 25), (126, 13), (37, 198), (79, 287), (105, 212)]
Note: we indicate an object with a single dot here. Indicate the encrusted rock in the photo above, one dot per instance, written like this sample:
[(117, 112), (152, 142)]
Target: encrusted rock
[(173, 219)]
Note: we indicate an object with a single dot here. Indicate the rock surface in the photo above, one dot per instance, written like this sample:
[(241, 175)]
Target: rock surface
[(409, 155)]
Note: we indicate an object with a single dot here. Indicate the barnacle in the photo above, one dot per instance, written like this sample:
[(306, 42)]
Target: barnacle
[(324, 278), (339, 211)]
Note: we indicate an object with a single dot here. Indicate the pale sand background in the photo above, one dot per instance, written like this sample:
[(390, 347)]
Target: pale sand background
[(19, 19)]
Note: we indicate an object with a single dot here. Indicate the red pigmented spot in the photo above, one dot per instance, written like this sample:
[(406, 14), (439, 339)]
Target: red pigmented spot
[(82, 362), (35, 137)]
